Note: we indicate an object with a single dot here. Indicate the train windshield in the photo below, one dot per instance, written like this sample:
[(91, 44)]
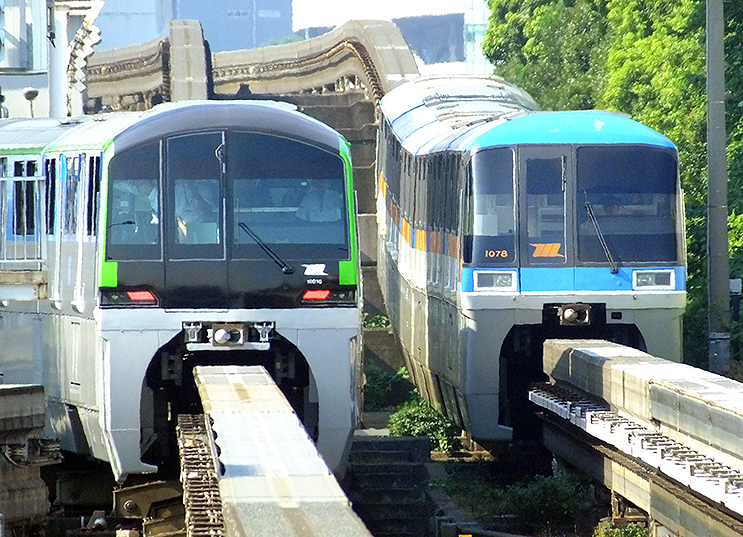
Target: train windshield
[(287, 195), (627, 196), (134, 214), (278, 193), (492, 238)]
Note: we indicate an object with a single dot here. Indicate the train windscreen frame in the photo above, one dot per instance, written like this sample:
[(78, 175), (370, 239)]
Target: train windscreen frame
[(491, 239), (133, 228), (632, 192), (291, 196)]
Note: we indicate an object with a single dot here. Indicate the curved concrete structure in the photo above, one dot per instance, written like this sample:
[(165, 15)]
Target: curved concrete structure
[(369, 56)]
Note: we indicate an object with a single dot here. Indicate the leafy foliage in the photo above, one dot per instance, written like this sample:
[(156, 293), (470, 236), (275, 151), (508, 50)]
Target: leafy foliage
[(543, 504), (377, 321), (418, 418), (604, 529), (553, 50), (383, 390)]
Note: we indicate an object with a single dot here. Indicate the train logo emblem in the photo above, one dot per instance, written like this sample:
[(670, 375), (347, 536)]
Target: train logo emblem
[(317, 269), (550, 249)]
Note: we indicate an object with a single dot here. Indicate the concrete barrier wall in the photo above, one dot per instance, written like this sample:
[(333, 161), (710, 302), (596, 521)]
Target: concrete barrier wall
[(23, 495)]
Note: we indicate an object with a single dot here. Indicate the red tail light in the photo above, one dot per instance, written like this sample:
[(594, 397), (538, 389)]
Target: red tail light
[(141, 296), (316, 294), (128, 298)]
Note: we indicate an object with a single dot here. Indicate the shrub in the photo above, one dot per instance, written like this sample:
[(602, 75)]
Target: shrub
[(385, 389), (547, 502), (418, 418), (604, 529), (378, 321)]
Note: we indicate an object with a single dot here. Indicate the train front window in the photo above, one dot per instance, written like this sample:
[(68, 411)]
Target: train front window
[(631, 191), (195, 163), (492, 238), (290, 196), (545, 208), (134, 218)]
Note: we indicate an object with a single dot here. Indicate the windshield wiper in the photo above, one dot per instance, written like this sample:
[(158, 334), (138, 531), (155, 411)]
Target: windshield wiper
[(285, 268), (607, 252), (124, 223)]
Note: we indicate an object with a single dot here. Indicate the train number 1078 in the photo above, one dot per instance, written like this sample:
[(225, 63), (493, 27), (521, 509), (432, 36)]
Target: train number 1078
[(496, 253)]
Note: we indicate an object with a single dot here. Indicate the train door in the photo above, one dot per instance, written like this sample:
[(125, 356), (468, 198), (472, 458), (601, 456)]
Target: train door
[(70, 238), (196, 264), (543, 172), (86, 202)]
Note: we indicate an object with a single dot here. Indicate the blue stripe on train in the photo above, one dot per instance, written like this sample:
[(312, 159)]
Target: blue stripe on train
[(569, 279)]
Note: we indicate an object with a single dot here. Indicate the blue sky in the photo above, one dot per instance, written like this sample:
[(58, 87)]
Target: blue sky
[(309, 13)]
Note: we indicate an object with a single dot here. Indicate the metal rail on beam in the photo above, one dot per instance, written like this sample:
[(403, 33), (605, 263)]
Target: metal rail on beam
[(679, 425)]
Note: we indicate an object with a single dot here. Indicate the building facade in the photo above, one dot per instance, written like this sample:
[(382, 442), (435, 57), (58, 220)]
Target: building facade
[(35, 60)]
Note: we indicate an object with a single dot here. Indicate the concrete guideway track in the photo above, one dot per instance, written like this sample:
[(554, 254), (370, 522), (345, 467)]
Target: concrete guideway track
[(661, 434), (270, 477), (670, 502)]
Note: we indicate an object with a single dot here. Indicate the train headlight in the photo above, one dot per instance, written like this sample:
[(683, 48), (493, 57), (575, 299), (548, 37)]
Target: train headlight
[(222, 336), (574, 314), (495, 280), (653, 279)]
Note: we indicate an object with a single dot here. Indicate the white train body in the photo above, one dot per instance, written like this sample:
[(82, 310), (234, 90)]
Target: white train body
[(109, 312)]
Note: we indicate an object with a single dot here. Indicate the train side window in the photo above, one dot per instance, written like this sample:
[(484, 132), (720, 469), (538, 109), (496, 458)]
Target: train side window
[(51, 193), (452, 211), (24, 198), (70, 199), (94, 189)]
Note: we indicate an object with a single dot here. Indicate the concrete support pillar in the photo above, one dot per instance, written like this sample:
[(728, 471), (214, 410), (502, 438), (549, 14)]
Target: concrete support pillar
[(58, 60), (188, 76)]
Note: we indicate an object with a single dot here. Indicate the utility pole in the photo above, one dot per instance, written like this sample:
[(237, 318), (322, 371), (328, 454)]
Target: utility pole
[(717, 198)]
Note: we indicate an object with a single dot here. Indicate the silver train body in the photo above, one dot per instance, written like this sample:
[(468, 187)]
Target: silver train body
[(110, 296), (497, 231)]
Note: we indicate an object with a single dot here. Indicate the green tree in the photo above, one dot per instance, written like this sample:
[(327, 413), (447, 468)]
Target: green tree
[(655, 72), (555, 50)]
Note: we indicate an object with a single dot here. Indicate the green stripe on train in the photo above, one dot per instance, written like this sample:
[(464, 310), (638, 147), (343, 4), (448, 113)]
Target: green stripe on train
[(348, 270)]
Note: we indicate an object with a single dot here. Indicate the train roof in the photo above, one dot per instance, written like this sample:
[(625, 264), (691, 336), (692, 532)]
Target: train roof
[(434, 114), (30, 136), (125, 129)]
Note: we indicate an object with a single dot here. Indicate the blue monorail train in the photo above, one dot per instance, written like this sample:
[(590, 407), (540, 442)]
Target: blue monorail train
[(501, 226), (136, 246)]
